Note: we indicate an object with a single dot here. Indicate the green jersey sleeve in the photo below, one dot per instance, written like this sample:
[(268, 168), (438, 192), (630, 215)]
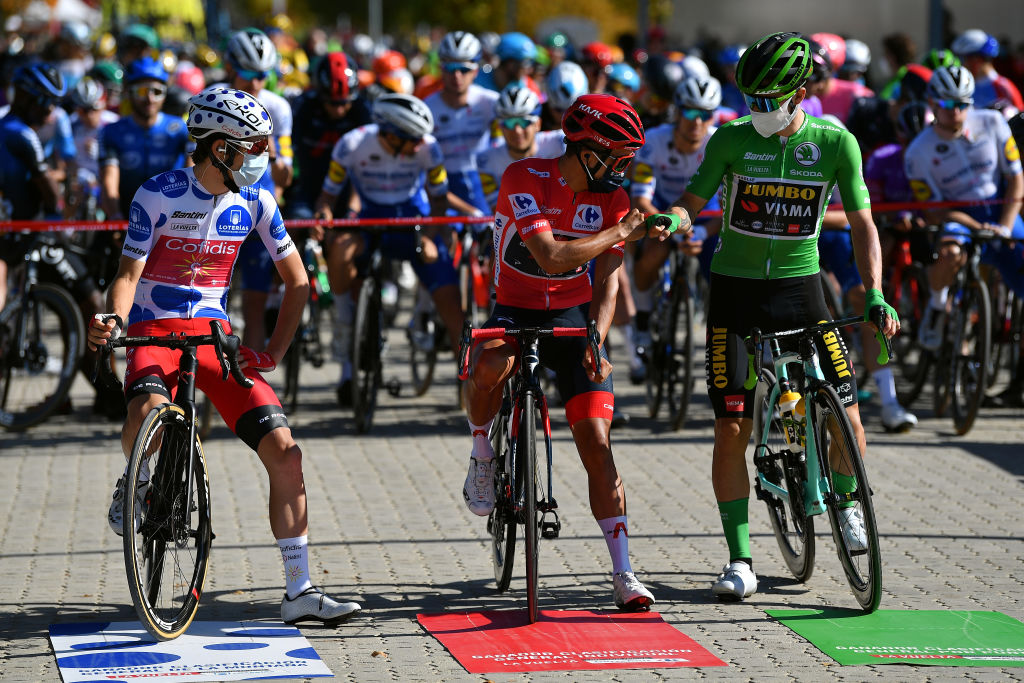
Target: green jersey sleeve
[(850, 174)]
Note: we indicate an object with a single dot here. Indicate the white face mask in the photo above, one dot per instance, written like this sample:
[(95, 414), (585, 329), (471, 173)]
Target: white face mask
[(252, 169), (769, 123)]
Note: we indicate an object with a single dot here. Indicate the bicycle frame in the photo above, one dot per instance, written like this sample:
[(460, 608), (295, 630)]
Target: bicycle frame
[(816, 484)]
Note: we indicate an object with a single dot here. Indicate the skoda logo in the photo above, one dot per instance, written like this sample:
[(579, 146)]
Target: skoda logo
[(807, 154)]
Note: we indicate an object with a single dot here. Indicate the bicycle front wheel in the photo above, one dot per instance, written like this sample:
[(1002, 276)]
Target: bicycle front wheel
[(655, 355), (422, 351), (972, 343), (502, 522), (679, 354), (167, 532), (366, 344), (793, 528), (41, 340), (526, 460), (849, 498)]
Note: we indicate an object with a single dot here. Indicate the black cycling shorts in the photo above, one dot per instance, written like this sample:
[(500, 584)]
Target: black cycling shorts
[(737, 305), (583, 398)]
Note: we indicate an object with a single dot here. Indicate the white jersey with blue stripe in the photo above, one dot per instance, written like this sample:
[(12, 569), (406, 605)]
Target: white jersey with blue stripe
[(660, 171), (189, 241), (463, 131), (378, 175), (493, 161)]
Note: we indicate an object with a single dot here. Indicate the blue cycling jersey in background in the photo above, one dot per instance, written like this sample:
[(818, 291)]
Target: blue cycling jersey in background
[(142, 153), (21, 159)]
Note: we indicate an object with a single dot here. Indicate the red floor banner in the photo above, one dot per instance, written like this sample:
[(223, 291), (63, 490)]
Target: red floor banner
[(504, 641)]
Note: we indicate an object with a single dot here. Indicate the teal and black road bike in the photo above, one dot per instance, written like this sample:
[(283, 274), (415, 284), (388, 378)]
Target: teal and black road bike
[(807, 458)]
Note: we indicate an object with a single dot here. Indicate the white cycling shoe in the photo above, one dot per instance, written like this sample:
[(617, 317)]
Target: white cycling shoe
[(314, 605), (629, 594), (737, 581), (478, 491), (115, 514), (896, 418), (851, 520)]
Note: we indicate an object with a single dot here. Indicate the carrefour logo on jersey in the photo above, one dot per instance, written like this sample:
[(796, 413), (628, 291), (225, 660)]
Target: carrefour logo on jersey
[(523, 205), (234, 221), (139, 225), (588, 218)]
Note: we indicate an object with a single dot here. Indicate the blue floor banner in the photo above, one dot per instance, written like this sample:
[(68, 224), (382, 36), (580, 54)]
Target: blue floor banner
[(209, 651)]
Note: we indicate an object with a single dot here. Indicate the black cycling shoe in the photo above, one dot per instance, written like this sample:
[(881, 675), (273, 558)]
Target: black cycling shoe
[(1010, 397), (344, 392)]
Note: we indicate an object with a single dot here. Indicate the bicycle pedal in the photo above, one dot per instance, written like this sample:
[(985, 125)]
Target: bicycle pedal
[(550, 529)]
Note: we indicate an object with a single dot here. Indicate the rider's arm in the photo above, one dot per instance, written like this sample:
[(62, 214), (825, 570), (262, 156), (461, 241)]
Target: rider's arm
[(280, 169), (558, 257), (686, 207), (1014, 197), (110, 179), (120, 297), (334, 181), (643, 205), (27, 149), (866, 247), (296, 292), (455, 202)]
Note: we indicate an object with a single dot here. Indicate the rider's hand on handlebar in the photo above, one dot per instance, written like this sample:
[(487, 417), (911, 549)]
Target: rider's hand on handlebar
[(634, 222), (604, 372), (998, 228), (874, 300), (260, 361), (104, 326)]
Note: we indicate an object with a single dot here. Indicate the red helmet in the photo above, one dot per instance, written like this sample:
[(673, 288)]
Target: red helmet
[(599, 53), (190, 78), (388, 61), (336, 77), (606, 120), (834, 46)]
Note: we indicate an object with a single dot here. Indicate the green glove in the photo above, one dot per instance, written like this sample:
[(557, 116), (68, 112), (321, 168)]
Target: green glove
[(874, 300), (669, 221)]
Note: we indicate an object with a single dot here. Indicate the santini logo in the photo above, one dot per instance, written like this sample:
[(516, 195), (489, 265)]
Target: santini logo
[(753, 156)]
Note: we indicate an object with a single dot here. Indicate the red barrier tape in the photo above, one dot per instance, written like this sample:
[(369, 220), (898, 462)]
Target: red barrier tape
[(93, 226)]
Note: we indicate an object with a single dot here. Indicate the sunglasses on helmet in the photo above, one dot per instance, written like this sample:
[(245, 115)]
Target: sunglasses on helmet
[(614, 164), (460, 67), (514, 122), (959, 105), (144, 90), (251, 75), (252, 146), (763, 105), (694, 114)]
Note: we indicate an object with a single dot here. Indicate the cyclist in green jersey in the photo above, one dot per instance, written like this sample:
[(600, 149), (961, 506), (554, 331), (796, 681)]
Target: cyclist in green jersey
[(777, 168)]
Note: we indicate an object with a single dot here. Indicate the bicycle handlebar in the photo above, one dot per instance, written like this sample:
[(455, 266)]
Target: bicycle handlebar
[(755, 342), (470, 335), (225, 346)]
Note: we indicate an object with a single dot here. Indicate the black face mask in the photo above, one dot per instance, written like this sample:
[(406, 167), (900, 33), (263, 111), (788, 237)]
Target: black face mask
[(609, 182)]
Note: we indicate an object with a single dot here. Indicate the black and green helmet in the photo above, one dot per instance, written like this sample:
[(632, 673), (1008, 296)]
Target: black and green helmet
[(775, 65)]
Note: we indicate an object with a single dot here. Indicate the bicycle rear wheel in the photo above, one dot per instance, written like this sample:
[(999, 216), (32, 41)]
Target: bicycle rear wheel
[(793, 528), (167, 534), (972, 343), (679, 353), (912, 361), (526, 462), (838, 454), (502, 522), (40, 345), (366, 345)]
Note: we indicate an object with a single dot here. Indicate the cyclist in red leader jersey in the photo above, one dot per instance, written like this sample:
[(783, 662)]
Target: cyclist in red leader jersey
[(552, 218)]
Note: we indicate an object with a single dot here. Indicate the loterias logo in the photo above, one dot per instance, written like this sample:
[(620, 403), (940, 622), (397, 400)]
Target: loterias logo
[(234, 221)]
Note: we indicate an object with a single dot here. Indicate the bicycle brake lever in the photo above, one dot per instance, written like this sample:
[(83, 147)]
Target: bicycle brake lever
[(226, 347), (464, 346), (885, 352), (595, 345)]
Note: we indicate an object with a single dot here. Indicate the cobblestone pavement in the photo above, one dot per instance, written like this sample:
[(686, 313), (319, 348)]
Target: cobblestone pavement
[(389, 528)]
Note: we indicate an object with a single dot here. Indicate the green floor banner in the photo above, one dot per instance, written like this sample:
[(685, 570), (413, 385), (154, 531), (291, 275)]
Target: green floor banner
[(926, 637)]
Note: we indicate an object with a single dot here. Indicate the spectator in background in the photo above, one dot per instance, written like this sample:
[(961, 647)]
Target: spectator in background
[(516, 54), (596, 59), (899, 50), (836, 95), (977, 50)]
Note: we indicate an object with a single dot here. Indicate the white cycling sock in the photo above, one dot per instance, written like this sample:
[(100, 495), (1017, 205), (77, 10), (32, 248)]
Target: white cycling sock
[(886, 385), (644, 299), (938, 300), (482, 450), (616, 535), (295, 554)]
